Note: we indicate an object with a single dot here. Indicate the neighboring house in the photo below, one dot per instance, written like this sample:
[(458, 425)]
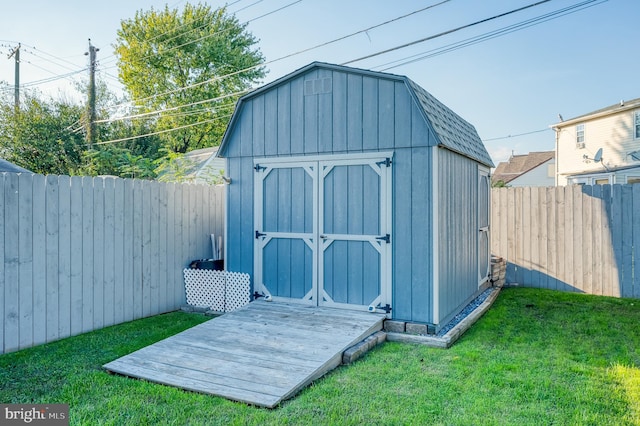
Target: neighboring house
[(357, 189), (615, 130), (207, 167), (6, 166), (532, 169), (198, 166)]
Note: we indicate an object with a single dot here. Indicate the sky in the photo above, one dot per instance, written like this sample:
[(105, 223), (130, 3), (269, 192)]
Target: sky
[(510, 87)]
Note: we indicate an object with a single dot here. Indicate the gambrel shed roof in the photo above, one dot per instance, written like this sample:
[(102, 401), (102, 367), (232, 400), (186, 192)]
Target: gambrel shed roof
[(450, 130), (454, 132)]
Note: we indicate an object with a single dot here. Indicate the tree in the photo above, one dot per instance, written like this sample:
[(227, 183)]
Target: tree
[(42, 135), (192, 66)]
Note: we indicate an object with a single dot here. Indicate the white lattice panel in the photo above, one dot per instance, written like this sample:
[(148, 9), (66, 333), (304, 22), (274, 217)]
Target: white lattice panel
[(220, 291), (237, 293)]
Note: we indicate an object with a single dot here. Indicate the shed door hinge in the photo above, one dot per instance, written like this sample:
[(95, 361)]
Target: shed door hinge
[(387, 308), (259, 234), (386, 238), (258, 167), (385, 162)]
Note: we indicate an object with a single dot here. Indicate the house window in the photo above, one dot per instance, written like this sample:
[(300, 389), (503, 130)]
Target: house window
[(633, 179), (580, 135), (636, 124), (601, 181)]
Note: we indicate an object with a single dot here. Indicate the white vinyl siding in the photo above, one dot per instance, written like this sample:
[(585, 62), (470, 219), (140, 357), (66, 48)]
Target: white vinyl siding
[(614, 133)]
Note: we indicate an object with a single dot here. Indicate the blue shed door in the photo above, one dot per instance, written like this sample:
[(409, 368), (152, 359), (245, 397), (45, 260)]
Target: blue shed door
[(323, 230)]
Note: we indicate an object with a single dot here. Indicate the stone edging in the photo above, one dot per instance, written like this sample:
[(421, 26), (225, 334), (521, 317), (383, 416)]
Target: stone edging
[(452, 335)]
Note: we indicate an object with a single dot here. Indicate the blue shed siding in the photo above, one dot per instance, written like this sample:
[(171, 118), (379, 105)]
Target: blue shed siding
[(412, 219), (457, 232)]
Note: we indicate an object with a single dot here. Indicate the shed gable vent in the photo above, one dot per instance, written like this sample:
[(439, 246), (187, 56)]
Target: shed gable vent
[(315, 87)]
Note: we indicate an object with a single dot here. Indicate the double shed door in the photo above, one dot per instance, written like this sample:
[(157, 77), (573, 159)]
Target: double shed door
[(323, 230)]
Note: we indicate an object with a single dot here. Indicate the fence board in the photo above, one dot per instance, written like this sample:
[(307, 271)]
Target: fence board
[(25, 260), (163, 300), (636, 238), (64, 261), (99, 239), (598, 218), (75, 256), (128, 250), (626, 205), (616, 237), (574, 238), (560, 230), (44, 319), (608, 265), (2, 261), (533, 236), (80, 253), (50, 305), (551, 239), (108, 212), (587, 239), (119, 259), (154, 219), (11, 258)]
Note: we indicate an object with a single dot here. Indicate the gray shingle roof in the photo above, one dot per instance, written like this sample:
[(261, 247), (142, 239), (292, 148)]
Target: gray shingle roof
[(453, 131), (6, 166), (520, 164)]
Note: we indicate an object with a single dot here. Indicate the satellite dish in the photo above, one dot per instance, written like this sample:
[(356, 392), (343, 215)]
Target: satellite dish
[(598, 157)]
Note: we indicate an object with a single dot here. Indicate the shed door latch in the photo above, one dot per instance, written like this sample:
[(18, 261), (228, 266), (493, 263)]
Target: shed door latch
[(386, 238), (259, 234)]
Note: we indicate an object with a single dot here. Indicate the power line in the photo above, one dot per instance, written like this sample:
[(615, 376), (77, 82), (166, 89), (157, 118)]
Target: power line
[(443, 33), (209, 35), (516, 135), (162, 131), (144, 114), (247, 6), (50, 79), (489, 35), (462, 44), (223, 31), (218, 78)]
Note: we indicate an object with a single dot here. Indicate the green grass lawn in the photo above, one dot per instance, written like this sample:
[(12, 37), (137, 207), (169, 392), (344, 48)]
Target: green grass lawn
[(536, 357)]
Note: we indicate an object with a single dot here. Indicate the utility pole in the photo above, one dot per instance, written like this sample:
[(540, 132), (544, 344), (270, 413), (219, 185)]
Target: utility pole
[(91, 104), (16, 55)]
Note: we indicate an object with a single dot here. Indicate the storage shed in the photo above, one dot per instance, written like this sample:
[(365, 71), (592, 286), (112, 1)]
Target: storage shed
[(357, 189)]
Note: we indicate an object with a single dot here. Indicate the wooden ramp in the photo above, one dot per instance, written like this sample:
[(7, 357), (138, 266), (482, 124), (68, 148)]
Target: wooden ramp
[(260, 354)]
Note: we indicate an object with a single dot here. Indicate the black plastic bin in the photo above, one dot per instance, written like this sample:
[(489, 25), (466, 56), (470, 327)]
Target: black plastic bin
[(215, 265)]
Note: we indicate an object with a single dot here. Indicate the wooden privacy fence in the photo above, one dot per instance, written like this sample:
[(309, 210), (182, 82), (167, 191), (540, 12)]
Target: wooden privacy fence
[(81, 253), (572, 238)]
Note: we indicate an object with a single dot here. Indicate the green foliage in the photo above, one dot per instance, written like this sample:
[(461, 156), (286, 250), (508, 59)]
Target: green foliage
[(41, 135), (536, 357), (160, 52), (175, 167), (498, 184), (116, 161), (47, 136)]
